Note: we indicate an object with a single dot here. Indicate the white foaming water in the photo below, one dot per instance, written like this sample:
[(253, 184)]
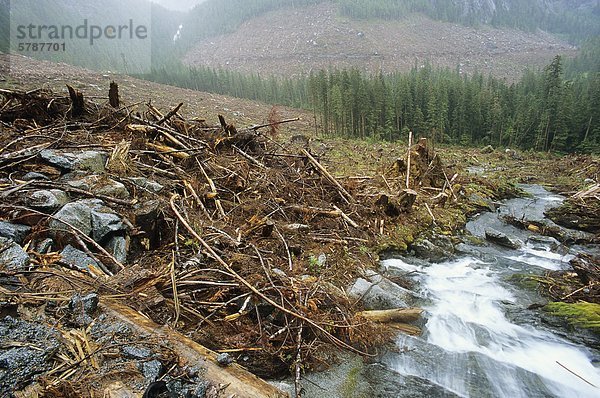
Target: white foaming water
[(546, 259), (473, 350)]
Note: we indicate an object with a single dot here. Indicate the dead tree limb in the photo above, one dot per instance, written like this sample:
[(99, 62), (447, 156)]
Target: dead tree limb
[(343, 193), (169, 115), (254, 290)]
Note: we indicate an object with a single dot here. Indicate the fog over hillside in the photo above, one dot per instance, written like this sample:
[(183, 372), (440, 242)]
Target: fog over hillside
[(178, 5)]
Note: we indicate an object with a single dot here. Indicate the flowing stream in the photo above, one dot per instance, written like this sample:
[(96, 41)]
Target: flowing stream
[(479, 339)]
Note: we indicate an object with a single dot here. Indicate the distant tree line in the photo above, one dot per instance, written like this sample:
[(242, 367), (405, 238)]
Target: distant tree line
[(541, 112), (556, 109)]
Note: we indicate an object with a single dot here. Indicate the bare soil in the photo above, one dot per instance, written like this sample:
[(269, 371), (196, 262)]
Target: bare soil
[(26, 73), (291, 42)]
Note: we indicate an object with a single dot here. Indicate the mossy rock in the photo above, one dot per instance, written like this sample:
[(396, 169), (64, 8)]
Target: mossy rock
[(525, 281), (582, 314)]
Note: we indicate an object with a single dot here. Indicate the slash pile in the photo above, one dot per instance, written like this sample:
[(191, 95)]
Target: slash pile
[(240, 243)]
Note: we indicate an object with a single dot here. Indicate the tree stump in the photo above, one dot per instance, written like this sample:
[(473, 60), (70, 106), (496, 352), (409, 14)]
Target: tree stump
[(113, 95), (77, 102), (407, 199)]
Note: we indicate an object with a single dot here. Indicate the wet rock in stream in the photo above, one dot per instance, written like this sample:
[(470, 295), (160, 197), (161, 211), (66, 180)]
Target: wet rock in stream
[(379, 293), (436, 248), (502, 239)]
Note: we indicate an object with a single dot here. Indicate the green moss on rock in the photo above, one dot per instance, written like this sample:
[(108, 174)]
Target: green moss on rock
[(582, 314)]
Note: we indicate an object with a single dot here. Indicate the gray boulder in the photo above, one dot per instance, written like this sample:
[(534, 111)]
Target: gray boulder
[(151, 370), (48, 201), (91, 217), (83, 308), (98, 184), (77, 259), (77, 214), (133, 352), (32, 176), (379, 293), (91, 161), (146, 184), (12, 256), (64, 161), (436, 252), (14, 232), (29, 353), (105, 223), (117, 246)]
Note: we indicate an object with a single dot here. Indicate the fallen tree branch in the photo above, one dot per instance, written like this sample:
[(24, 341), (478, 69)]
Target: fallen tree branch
[(254, 290), (343, 193)]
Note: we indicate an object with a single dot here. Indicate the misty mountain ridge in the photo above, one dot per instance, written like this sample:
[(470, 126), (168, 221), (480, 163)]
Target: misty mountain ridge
[(455, 33)]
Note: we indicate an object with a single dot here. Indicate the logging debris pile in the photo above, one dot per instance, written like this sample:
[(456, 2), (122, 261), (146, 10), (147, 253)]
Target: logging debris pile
[(229, 237)]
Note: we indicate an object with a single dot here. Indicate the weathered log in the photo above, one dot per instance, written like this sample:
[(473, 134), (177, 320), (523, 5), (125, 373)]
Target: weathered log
[(314, 211), (343, 193), (235, 380), (394, 315), (179, 154)]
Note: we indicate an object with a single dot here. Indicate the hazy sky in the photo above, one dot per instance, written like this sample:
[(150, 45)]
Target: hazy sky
[(181, 5)]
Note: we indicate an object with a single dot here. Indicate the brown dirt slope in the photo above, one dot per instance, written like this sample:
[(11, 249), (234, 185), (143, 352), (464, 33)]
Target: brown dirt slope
[(26, 73), (297, 41)]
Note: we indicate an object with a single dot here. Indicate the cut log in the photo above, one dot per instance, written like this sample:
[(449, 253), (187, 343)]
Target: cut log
[(235, 380), (314, 211), (168, 150), (323, 171), (394, 315)]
